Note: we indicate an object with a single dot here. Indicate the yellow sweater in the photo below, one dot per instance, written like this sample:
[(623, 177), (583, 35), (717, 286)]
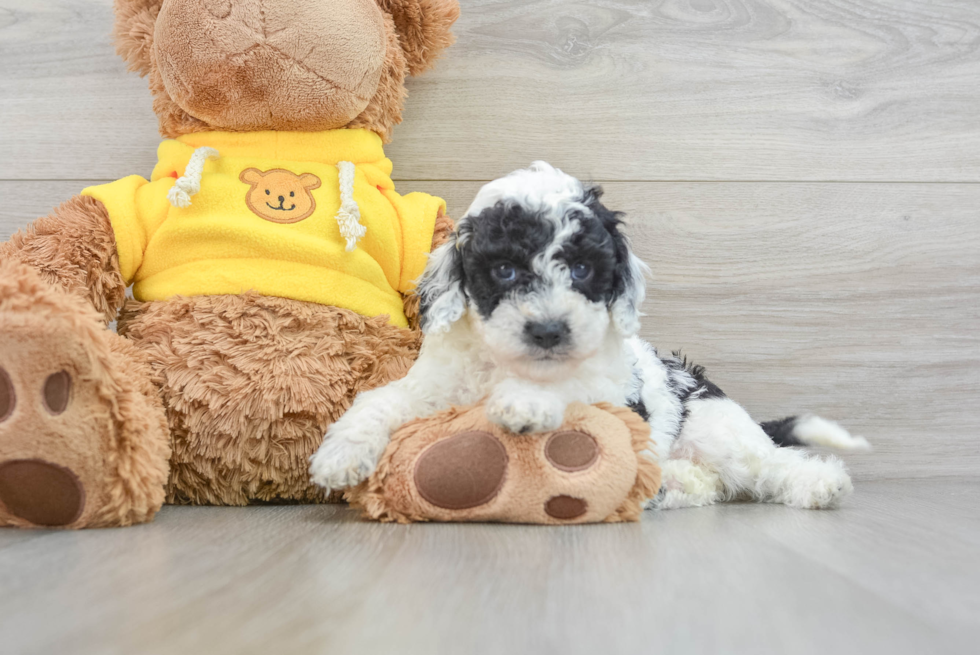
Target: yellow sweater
[(272, 215)]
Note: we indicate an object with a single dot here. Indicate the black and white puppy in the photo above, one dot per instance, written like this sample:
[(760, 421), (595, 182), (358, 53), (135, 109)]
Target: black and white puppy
[(534, 304)]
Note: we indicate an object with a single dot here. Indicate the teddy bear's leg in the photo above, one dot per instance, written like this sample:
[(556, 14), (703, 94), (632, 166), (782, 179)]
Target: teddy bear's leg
[(251, 383), (83, 437)]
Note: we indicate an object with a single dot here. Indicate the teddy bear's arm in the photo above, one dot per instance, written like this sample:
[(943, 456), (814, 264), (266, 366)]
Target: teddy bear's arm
[(74, 247)]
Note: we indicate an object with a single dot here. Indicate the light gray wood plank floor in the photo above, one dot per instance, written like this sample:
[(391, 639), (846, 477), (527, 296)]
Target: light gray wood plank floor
[(803, 178), (894, 571)]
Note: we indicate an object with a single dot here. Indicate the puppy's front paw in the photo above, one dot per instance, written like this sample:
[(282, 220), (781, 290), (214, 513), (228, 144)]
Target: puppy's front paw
[(526, 413), (342, 462)]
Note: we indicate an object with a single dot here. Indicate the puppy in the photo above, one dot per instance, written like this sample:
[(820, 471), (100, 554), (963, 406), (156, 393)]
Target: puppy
[(535, 303)]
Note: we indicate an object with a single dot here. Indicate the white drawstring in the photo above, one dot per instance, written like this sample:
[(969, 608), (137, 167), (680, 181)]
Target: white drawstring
[(349, 214), (190, 183)]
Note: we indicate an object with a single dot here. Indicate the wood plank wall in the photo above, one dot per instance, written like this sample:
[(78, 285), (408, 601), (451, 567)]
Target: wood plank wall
[(802, 176)]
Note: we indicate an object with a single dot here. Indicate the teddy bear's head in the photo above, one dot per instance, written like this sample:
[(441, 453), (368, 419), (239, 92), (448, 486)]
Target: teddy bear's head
[(303, 65)]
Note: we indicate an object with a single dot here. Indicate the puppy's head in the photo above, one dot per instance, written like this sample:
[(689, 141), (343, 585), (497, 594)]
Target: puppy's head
[(539, 267)]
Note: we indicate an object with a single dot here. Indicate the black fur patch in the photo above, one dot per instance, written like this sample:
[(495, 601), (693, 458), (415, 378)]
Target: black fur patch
[(781, 431), (611, 222), (505, 233), (638, 407), (508, 233), (705, 388)]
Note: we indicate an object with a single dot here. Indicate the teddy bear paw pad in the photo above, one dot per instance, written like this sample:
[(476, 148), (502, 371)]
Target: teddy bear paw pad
[(571, 451), (565, 508), (57, 391), (41, 492), (464, 471)]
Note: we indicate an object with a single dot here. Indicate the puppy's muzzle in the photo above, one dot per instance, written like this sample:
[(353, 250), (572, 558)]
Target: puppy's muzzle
[(546, 335)]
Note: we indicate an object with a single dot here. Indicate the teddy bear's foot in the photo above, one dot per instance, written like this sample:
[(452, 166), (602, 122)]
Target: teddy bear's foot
[(52, 426), (469, 470), (81, 443), (458, 466)]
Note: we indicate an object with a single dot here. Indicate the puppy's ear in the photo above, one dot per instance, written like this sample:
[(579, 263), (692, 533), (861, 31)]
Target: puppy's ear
[(133, 31), (631, 290), (630, 285), (440, 289), (423, 28)]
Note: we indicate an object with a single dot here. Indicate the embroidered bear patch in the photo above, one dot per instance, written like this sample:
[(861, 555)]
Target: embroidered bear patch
[(279, 195)]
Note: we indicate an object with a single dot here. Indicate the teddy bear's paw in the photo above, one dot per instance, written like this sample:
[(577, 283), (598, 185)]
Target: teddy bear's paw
[(342, 461), (53, 425), (458, 466), (468, 470), (526, 412)]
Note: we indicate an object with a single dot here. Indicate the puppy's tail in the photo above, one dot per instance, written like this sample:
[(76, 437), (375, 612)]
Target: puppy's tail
[(813, 431)]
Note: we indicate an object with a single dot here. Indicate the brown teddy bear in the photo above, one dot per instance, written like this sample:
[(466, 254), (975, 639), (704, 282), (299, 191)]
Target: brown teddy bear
[(271, 261)]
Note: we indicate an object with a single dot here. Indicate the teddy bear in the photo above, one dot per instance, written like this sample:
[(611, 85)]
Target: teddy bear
[(271, 262)]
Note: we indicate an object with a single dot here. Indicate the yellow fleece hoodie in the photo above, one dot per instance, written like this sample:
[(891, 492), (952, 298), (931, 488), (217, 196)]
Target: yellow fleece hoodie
[(307, 216)]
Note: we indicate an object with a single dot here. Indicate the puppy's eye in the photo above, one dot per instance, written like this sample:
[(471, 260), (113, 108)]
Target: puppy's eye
[(581, 272), (266, 192), (504, 272), (292, 193)]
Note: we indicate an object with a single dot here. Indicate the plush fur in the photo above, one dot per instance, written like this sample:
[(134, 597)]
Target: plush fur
[(250, 403), (74, 248), (534, 305), (423, 28), (244, 386)]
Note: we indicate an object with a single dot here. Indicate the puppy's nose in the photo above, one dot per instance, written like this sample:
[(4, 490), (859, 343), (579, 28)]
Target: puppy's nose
[(546, 334), (282, 199)]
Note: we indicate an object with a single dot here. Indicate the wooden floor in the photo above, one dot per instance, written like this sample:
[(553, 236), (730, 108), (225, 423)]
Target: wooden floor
[(803, 177), (895, 571)]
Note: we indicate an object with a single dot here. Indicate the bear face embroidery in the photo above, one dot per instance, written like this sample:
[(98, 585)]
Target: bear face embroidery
[(279, 195)]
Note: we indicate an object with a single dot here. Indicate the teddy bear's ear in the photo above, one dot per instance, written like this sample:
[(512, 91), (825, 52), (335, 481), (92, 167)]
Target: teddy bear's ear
[(423, 28), (133, 31)]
